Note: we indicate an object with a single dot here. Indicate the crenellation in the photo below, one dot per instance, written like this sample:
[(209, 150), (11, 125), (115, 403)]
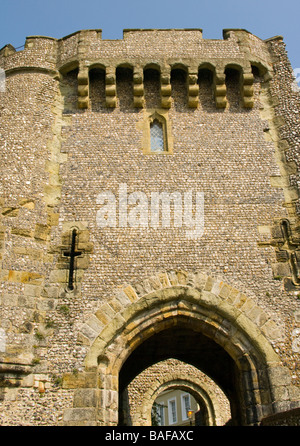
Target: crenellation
[(83, 47)]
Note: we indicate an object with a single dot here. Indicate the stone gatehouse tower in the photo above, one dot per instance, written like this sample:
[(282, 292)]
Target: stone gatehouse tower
[(103, 141)]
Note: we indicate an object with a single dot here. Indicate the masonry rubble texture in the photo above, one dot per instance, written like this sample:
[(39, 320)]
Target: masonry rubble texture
[(75, 118)]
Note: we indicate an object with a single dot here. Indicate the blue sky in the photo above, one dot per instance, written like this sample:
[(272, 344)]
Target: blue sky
[(58, 18)]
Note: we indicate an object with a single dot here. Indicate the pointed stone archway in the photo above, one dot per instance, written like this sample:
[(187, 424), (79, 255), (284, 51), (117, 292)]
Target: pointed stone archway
[(139, 397), (215, 318), (196, 391)]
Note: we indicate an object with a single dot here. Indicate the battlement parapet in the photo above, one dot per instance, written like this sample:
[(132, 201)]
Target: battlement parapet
[(87, 46), (162, 49)]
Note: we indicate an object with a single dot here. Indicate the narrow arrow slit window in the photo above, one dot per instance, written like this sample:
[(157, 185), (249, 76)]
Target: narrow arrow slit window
[(157, 143)]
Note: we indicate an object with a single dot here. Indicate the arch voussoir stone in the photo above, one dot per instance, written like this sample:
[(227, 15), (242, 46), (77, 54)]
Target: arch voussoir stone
[(205, 304), (172, 285)]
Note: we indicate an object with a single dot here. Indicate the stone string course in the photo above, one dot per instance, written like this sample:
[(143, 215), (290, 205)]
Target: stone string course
[(67, 135)]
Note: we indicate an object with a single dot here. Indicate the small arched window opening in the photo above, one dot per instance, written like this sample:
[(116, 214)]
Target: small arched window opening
[(157, 139)]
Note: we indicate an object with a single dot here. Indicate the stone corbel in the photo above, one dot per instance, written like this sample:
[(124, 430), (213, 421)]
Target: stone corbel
[(165, 90), (83, 87), (11, 375), (138, 89), (110, 88), (193, 90), (220, 90), (247, 90)]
